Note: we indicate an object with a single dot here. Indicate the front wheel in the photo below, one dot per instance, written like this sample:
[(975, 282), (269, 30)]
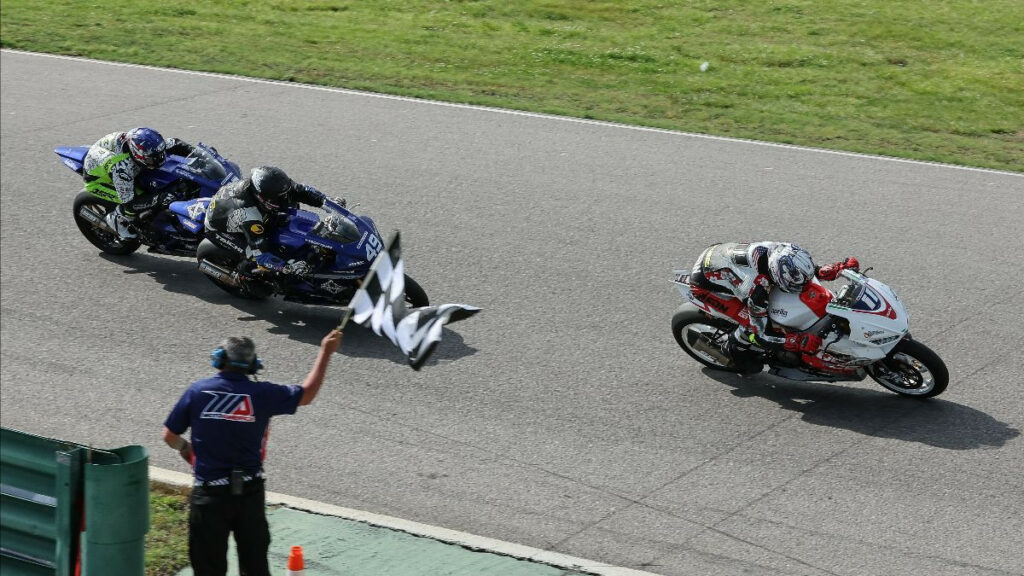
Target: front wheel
[(703, 338), (90, 212), (415, 295), (911, 369)]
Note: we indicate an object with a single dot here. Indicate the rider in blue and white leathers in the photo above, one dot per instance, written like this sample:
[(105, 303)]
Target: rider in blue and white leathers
[(114, 161)]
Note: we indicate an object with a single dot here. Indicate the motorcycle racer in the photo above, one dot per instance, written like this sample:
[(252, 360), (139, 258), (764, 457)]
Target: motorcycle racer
[(749, 272), (242, 213), (113, 163)]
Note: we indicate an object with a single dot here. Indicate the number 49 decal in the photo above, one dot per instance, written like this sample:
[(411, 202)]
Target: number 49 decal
[(373, 247)]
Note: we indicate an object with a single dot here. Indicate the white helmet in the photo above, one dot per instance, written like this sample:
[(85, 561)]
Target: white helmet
[(791, 267)]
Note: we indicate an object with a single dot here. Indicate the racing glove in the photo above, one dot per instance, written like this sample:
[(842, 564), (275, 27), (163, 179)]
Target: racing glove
[(802, 342), (831, 271)]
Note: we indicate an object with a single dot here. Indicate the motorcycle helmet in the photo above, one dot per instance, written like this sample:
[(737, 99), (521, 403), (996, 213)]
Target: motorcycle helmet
[(272, 187), (146, 147), (791, 267)]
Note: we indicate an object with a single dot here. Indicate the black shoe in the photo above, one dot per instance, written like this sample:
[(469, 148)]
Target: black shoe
[(745, 360)]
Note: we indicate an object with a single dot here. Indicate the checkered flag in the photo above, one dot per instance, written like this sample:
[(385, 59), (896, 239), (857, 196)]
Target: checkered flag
[(379, 304)]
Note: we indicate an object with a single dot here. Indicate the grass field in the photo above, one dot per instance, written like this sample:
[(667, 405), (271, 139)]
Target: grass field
[(167, 540), (925, 79)]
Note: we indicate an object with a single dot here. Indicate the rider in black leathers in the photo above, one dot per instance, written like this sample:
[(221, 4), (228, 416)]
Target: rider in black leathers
[(242, 214)]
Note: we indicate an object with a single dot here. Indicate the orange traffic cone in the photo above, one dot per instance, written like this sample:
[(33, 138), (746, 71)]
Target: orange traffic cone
[(296, 567)]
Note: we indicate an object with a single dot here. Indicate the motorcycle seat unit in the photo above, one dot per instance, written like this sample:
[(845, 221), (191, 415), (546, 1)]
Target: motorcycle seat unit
[(73, 156)]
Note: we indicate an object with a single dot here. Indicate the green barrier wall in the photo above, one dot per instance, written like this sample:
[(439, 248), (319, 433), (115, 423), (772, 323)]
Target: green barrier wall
[(116, 513), (44, 484)]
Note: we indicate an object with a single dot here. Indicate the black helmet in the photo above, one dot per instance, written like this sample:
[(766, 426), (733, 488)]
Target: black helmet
[(272, 186)]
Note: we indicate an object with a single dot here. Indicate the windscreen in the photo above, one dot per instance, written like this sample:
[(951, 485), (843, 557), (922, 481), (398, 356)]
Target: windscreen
[(204, 164), (850, 294), (337, 228)]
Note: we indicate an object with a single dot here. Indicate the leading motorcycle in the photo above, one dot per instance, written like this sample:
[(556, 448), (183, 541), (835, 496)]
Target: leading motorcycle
[(864, 329), (170, 212), (338, 247)]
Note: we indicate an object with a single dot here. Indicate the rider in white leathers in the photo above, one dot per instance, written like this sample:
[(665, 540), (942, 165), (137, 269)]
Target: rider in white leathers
[(749, 272)]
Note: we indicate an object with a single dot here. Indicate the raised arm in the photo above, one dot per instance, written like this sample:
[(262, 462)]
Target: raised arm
[(315, 378)]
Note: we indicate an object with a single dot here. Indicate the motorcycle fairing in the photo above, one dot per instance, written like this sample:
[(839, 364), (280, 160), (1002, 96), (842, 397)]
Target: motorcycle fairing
[(350, 258), (799, 311), (300, 225), (191, 213), (719, 305), (876, 316)]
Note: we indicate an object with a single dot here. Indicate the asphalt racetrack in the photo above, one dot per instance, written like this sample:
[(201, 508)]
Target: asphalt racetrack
[(563, 416)]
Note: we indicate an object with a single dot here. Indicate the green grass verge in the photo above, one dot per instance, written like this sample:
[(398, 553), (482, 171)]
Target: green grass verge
[(939, 80), (167, 540)]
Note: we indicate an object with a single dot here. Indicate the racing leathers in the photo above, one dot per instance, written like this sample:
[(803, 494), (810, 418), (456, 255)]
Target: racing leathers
[(742, 270), (235, 221), (110, 173)]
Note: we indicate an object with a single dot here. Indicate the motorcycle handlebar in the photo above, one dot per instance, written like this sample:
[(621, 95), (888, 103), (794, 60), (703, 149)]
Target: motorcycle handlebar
[(332, 206)]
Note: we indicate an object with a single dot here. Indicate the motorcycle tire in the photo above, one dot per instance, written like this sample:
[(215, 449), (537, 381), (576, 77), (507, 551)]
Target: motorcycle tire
[(216, 255), (693, 329), (415, 295), (99, 237), (911, 369)]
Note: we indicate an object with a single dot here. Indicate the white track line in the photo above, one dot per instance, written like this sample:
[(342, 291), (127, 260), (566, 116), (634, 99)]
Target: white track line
[(511, 112), (434, 532)]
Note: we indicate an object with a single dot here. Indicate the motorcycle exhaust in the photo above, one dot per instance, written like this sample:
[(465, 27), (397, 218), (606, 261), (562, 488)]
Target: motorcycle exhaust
[(715, 352), (95, 219), (222, 274)]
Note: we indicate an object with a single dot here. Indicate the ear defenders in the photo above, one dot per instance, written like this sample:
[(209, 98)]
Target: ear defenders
[(219, 359)]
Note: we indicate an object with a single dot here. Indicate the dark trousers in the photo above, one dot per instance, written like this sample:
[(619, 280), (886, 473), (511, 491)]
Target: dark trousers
[(214, 513)]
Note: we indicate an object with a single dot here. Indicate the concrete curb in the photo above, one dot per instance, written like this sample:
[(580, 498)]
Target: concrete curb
[(455, 537)]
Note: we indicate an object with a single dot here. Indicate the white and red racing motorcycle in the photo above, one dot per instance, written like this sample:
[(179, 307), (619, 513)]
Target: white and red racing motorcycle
[(864, 331)]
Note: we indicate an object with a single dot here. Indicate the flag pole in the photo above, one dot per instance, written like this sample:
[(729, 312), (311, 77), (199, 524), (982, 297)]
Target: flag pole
[(346, 314)]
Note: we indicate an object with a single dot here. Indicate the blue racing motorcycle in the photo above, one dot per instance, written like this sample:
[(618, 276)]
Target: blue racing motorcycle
[(170, 202), (338, 248)]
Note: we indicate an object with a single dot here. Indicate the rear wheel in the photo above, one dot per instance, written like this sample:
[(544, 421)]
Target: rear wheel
[(911, 369), (702, 337), (251, 289), (90, 212)]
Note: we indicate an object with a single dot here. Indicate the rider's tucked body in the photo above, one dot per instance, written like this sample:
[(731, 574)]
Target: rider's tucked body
[(242, 215), (749, 272), (114, 162)]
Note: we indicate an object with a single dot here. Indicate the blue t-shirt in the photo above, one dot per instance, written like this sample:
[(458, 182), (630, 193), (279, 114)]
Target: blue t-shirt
[(229, 416)]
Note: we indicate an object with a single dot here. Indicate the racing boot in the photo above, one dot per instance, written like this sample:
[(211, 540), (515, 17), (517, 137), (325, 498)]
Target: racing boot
[(747, 362), (120, 221)]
